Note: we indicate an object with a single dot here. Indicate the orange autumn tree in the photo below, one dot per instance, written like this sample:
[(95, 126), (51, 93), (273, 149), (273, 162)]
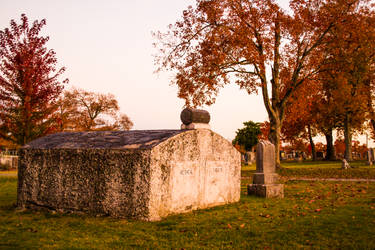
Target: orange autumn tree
[(311, 110), (221, 41), (348, 71), (81, 110), (300, 116)]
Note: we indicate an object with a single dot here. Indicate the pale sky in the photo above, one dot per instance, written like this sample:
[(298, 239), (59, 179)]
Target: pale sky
[(106, 47)]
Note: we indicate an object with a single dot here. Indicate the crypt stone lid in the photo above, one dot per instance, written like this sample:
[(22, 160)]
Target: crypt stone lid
[(134, 139)]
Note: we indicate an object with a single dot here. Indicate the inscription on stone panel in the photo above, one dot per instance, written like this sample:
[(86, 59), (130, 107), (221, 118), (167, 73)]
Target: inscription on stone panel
[(186, 172), (218, 169)]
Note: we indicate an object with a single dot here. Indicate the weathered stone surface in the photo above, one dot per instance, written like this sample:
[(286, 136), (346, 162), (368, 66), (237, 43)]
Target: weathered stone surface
[(135, 139), (190, 115), (265, 157), (268, 191), (143, 175), (262, 178), (265, 179), (196, 126)]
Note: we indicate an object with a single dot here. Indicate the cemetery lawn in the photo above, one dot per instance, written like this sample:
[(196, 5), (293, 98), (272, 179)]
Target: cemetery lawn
[(313, 214), (319, 169)]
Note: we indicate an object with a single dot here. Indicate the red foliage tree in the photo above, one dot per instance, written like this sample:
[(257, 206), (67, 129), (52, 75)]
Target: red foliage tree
[(220, 39), (300, 115), (265, 131), (29, 84), (348, 71)]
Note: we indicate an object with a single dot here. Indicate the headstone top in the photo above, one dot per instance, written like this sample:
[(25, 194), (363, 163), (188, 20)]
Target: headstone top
[(265, 158), (265, 142)]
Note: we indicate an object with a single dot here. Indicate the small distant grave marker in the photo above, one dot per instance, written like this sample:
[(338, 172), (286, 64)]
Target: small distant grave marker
[(345, 164)]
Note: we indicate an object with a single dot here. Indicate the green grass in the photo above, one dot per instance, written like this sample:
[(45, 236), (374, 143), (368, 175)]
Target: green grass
[(312, 215), (319, 169), (327, 169), (320, 164)]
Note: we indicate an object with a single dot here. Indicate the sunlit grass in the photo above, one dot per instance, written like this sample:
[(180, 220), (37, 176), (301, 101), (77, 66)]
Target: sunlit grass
[(328, 215), (9, 172)]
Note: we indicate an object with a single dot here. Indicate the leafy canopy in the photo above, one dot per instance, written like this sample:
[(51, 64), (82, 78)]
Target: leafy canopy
[(254, 43), (247, 136), (29, 82), (81, 110)]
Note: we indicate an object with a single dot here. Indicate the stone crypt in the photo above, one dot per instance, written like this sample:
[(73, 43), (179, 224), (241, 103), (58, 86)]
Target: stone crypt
[(144, 175)]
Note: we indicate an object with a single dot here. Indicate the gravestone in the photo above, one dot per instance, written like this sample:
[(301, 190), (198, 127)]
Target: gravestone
[(319, 155), (140, 174), (243, 160), (265, 179), (248, 157), (11, 161), (282, 155), (345, 164)]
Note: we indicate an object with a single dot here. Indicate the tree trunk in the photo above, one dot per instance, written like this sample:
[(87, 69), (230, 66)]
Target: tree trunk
[(373, 124), (274, 137), (312, 144), (330, 153), (348, 138)]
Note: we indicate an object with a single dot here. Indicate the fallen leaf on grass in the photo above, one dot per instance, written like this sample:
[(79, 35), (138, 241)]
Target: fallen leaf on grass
[(229, 226), (242, 225), (32, 230), (265, 215), (318, 210)]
